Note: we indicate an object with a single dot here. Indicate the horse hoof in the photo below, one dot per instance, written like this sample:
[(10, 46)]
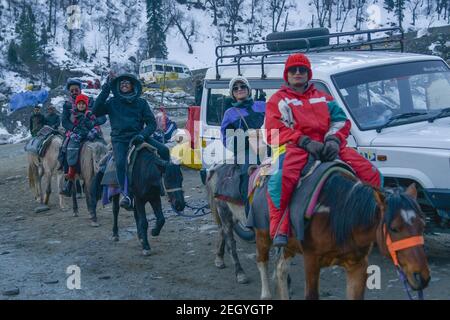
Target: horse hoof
[(41, 208), (115, 238), (146, 252), (157, 229), (242, 278), (95, 224), (75, 214), (219, 263)]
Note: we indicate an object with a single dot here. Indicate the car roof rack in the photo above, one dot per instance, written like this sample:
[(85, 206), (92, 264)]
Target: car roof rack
[(246, 49)]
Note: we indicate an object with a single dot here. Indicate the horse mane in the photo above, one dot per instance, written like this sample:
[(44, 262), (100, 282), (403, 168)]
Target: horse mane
[(356, 206)]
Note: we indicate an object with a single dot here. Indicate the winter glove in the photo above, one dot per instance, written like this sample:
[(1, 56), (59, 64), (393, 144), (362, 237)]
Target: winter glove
[(311, 146), (137, 140), (331, 148)]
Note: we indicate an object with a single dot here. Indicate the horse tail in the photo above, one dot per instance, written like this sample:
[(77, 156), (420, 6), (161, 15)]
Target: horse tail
[(31, 172)]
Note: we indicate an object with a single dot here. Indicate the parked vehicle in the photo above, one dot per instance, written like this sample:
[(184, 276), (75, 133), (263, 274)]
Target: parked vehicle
[(154, 70), (398, 104)]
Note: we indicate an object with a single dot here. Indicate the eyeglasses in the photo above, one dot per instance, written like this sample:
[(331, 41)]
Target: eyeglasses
[(125, 83), (300, 70), (237, 88)]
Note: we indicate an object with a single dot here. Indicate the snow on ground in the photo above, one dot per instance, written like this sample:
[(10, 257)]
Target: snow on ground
[(21, 134)]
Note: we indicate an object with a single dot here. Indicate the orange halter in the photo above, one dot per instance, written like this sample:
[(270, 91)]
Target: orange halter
[(394, 246)]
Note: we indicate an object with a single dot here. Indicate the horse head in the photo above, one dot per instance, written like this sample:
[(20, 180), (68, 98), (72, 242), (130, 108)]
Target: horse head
[(400, 235), (173, 183)]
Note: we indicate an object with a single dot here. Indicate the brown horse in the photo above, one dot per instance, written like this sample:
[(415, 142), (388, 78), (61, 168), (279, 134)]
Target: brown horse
[(41, 170), (349, 218), (90, 155)]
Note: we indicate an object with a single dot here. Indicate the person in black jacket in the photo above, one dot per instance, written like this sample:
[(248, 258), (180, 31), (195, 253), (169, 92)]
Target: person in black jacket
[(37, 121), (52, 119), (132, 122)]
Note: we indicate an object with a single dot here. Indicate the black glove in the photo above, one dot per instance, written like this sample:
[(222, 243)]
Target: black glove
[(331, 148), (137, 140), (313, 147)]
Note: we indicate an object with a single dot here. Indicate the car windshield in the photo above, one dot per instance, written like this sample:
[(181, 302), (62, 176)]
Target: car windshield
[(377, 96)]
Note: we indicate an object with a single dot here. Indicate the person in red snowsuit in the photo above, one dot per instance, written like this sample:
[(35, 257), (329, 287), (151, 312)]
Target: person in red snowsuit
[(302, 121)]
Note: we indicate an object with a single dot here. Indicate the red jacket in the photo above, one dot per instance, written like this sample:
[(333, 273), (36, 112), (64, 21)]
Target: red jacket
[(290, 115)]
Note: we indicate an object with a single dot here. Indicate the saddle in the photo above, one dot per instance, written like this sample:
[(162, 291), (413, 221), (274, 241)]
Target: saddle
[(39, 144), (306, 194), (228, 180)]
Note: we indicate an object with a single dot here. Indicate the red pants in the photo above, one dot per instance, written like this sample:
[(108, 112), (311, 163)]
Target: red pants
[(292, 165)]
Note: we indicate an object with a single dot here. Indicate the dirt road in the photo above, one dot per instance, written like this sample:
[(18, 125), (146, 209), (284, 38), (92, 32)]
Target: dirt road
[(37, 248)]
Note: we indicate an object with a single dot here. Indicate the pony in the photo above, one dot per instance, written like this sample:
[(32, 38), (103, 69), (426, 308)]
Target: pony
[(349, 218), (41, 170), (149, 173), (227, 215), (90, 155)]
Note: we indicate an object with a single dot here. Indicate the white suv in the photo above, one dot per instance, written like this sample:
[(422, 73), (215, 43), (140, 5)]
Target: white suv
[(398, 104)]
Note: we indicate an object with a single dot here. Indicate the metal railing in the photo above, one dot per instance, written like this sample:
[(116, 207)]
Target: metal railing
[(245, 49)]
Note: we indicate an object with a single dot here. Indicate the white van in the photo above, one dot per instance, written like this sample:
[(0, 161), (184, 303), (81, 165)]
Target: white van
[(398, 104), (154, 70)]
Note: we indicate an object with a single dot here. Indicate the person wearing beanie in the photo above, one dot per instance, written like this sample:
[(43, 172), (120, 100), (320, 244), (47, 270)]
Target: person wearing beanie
[(244, 114), (83, 122), (304, 124), (73, 87)]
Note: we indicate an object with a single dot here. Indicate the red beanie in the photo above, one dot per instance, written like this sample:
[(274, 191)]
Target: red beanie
[(82, 97), (297, 60)]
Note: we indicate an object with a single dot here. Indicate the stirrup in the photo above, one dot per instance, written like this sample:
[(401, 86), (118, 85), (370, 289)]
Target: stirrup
[(280, 240), (126, 203)]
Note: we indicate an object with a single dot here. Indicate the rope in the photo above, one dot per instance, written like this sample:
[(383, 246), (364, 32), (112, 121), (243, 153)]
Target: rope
[(199, 211), (406, 287)]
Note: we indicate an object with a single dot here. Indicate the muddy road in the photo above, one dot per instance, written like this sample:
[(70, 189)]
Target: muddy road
[(37, 248)]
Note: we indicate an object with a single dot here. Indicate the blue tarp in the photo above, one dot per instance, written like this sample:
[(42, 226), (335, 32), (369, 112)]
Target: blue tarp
[(27, 99)]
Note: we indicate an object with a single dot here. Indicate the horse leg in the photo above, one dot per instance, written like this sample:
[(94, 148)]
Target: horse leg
[(142, 225), (227, 224), (59, 179), (74, 200), (116, 208), (356, 279), (220, 249), (262, 261), (283, 273), (91, 203), (48, 185), (157, 211), (312, 273)]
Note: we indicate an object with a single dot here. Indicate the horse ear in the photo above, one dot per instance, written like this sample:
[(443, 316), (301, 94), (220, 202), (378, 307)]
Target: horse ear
[(412, 191), (380, 198)]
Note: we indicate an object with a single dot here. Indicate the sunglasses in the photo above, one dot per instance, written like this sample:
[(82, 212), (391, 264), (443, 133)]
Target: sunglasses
[(300, 70), (237, 88)]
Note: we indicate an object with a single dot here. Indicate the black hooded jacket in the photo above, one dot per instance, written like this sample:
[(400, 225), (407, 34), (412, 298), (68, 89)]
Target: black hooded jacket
[(129, 115)]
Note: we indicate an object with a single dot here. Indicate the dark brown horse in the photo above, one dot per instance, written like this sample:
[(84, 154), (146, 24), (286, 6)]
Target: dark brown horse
[(349, 218)]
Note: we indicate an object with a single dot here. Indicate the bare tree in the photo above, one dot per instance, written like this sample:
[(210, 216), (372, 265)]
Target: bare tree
[(276, 8), (359, 5), (321, 10), (413, 6), (215, 6), (233, 15)]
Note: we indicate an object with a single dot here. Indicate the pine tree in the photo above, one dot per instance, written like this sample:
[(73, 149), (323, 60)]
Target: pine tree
[(12, 53), (29, 44), (155, 30), (389, 5)]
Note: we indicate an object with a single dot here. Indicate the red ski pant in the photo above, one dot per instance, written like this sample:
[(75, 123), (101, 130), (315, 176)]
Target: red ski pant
[(283, 182)]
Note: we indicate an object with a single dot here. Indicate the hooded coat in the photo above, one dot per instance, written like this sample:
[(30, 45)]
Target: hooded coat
[(129, 114)]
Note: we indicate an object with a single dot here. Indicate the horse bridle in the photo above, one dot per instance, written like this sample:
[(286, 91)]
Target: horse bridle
[(393, 247), (170, 190)]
